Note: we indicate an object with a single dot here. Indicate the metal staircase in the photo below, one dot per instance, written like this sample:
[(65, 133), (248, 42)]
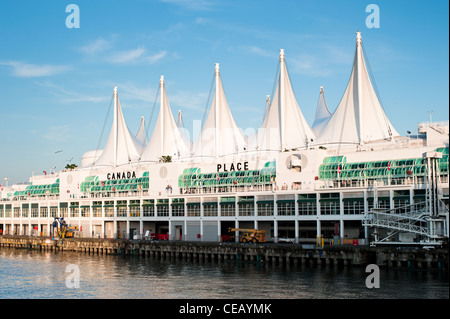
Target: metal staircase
[(414, 221), (413, 218), (428, 220)]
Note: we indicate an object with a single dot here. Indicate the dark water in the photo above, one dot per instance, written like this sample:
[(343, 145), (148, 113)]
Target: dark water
[(30, 274)]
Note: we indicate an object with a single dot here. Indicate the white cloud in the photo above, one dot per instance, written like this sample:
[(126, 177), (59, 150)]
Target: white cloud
[(309, 65), (97, 46), (156, 57), (130, 91), (66, 97), (189, 100), (259, 51), (127, 56), (134, 95), (27, 70), (137, 55), (105, 50), (320, 60)]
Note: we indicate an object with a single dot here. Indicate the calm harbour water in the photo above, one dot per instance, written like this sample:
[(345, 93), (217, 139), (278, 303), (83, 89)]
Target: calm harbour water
[(31, 274)]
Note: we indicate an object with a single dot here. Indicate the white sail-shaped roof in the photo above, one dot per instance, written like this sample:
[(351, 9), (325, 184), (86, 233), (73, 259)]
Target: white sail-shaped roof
[(140, 135), (284, 126), (266, 109), (184, 132), (322, 116), (122, 146), (220, 135), (166, 139), (359, 118)]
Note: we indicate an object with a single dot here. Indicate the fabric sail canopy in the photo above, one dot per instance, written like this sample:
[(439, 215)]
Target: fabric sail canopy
[(122, 146), (220, 136), (322, 116), (284, 126), (166, 139), (359, 117), (184, 132), (140, 135)]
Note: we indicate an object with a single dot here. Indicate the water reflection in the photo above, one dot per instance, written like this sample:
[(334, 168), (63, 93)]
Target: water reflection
[(32, 274)]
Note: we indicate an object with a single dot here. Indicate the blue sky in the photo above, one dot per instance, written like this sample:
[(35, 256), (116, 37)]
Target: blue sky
[(56, 83)]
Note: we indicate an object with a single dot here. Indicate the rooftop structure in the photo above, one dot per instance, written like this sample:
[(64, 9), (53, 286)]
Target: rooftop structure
[(166, 139), (359, 117), (322, 116), (284, 126), (220, 136), (122, 146)]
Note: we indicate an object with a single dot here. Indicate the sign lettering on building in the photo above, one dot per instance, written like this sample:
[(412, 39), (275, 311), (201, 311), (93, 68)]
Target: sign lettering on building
[(121, 175), (232, 167)]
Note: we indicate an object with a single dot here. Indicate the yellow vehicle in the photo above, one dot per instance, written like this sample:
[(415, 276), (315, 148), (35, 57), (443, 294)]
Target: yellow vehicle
[(250, 235), (63, 229), (67, 232)]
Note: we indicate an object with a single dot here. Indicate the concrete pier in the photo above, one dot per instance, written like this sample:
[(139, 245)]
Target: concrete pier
[(271, 254)]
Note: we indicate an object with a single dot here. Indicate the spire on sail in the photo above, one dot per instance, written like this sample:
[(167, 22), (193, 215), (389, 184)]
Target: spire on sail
[(220, 135), (284, 126), (140, 135), (322, 116), (122, 146), (359, 118), (166, 139)]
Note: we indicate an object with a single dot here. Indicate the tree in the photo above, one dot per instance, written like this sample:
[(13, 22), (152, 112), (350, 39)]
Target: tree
[(71, 166), (165, 159)]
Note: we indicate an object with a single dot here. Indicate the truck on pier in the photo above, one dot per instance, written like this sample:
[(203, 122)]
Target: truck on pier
[(249, 235)]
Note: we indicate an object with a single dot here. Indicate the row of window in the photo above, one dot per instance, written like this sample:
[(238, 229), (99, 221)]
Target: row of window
[(287, 208)]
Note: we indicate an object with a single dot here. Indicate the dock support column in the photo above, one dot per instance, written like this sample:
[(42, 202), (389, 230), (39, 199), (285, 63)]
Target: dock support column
[(115, 235), (275, 231), (201, 229), (170, 224), (219, 230), (318, 231)]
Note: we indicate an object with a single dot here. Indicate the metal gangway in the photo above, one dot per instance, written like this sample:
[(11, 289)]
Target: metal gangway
[(428, 220), (415, 218)]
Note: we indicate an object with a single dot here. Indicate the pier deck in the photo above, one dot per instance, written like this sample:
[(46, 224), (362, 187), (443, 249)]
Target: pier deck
[(275, 254)]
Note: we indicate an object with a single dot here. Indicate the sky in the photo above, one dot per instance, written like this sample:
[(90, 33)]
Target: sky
[(56, 80)]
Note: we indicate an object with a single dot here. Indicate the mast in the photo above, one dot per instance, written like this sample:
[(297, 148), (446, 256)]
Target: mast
[(115, 124), (216, 112), (161, 110), (266, 110), (179, 119), (281, 99), (359, 66)]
